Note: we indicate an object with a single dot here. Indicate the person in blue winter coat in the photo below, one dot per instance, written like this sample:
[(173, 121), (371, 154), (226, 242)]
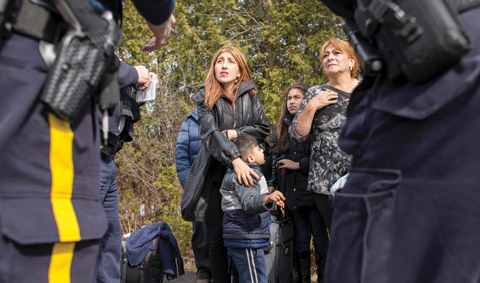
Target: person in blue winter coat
[(246, 220), (188, 145), (186, 150)]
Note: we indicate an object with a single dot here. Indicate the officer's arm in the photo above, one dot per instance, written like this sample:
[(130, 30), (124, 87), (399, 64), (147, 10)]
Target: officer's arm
[(160, 20)]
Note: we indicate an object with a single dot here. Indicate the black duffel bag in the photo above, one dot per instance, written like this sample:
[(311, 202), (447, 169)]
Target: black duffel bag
[(150, 270)]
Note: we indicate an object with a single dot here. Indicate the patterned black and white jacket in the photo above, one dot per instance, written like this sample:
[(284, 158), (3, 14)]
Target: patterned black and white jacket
[(327, 161)]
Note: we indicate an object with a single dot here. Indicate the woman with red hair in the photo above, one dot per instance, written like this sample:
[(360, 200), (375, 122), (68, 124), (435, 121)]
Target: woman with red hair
[(322, 114), (227, 107)]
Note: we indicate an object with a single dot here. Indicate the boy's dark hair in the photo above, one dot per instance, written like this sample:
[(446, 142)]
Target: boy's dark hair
[(245, 144)]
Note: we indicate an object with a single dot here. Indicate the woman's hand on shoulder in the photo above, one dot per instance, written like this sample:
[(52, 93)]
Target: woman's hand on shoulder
[(324, 98), (244, 172), (289, 164)]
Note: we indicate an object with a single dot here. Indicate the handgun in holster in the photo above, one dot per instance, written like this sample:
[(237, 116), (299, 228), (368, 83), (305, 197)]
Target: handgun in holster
[(85, 64)]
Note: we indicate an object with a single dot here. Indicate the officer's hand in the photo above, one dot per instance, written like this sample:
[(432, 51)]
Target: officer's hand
[(154, 77), (144, 78), (323, 99), (161, 33)]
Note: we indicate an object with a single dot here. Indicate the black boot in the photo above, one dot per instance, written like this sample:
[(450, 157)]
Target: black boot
[(320, 261), (302, 260)]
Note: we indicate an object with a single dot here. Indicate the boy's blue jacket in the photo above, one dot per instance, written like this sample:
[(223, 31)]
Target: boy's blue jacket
[(246, 218)]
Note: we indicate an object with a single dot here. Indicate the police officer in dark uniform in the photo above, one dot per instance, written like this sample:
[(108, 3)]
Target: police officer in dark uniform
[(120, 130), (409, 211), (50, 217)]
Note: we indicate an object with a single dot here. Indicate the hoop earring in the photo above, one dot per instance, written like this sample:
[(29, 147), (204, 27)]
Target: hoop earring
[(237, 79), (351, 68)]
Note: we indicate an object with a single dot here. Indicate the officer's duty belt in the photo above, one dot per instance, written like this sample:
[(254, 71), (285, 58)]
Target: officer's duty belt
[(114, 144), (38, 22)]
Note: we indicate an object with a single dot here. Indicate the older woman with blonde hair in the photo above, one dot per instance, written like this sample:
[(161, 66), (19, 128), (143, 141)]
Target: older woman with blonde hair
[(322, 114), (228, 106)]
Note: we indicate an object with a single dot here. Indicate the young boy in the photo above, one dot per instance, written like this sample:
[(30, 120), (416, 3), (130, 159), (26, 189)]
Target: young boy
[(246, 219)]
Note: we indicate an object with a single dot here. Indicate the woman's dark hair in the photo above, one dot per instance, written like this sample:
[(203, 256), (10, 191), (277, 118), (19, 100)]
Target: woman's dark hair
[(283, 144), (245, 144)]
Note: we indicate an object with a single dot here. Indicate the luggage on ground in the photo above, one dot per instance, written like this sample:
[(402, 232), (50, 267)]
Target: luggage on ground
[(279, 254), (150, 270)]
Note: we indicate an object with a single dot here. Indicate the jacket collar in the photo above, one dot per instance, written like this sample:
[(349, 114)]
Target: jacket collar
[(244, 87), (254, 165), (193, 115)]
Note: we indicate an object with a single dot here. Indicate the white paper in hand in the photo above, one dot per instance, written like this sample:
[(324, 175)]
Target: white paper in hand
[(148, 94)]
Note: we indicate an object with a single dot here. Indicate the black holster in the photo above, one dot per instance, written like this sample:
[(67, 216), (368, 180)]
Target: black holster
[(113, 145), (417, 39), (84, 59)]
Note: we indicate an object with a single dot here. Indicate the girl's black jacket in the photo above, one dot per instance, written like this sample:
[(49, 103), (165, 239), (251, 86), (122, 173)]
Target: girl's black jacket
[(293, 184)]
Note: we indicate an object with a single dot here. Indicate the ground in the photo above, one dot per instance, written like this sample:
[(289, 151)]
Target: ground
[(188, 277)]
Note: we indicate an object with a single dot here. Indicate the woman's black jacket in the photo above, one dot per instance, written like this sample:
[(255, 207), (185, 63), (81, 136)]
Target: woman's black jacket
[(250, 120), (293, 184)]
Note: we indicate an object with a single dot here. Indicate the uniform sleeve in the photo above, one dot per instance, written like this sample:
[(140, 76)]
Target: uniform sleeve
[(155, 11), (182, 154), (127, 75), (343, 8), (260, 128)]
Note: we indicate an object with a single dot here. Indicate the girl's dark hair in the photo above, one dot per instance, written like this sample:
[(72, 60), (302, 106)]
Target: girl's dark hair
[(245, 144), (283, 137)]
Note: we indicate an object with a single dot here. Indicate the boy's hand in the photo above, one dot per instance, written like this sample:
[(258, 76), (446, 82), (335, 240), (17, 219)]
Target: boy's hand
[(277, 197), (281, 204)]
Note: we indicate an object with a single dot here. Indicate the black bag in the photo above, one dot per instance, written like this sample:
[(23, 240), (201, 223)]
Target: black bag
[(416, 38), (150, 270), (194, 198), (279, 253)]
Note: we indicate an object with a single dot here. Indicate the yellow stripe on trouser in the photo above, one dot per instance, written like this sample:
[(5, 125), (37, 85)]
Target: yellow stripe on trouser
[(61, 166), (60, 263)]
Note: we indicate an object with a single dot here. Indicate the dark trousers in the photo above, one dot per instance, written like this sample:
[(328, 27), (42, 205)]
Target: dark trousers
[(22, 76), (57, 262), (217, 251), (325, 207), (110, 252), (200, 249), (308, 221)]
